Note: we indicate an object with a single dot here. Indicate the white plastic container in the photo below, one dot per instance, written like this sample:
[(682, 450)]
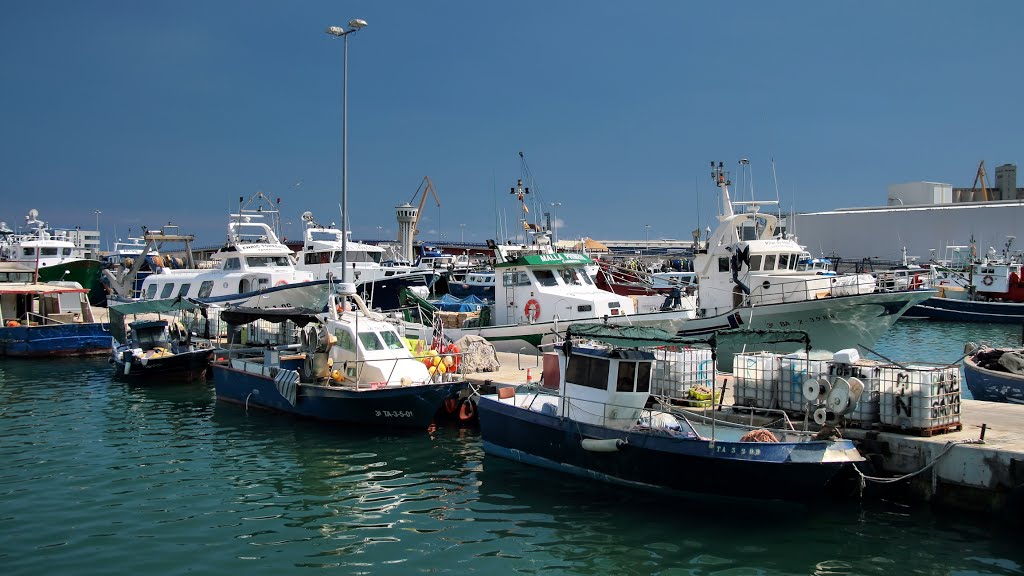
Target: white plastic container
[(869, 372), (920, 397), (756, 381), (675, 372), (794, 370)]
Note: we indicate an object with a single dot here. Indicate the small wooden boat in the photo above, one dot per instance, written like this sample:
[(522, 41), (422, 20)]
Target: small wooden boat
[(988, 378)]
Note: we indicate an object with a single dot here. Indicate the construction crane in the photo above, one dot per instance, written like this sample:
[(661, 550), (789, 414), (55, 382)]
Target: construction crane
[(425, 186), (980, 176)]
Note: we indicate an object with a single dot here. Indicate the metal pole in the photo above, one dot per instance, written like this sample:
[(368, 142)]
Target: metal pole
[(344, 161)]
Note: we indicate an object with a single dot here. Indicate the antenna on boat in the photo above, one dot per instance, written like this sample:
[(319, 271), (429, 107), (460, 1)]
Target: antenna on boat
[(718, 175), (775, 179)]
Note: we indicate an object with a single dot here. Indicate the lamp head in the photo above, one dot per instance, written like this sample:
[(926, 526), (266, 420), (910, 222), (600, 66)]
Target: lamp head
[(357, 23), (336, 31)]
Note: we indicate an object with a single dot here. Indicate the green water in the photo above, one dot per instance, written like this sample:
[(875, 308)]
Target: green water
[(100, 477)]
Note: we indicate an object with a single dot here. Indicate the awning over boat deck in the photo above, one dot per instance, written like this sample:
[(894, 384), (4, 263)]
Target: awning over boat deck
[(28, 288), (238, 316), (647, 337), (158, 306)]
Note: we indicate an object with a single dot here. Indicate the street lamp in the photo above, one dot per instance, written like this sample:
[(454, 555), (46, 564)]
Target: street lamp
[(554, 215), (647, 237), (379, 228), (97, 212), (354, 25), (463, 230)]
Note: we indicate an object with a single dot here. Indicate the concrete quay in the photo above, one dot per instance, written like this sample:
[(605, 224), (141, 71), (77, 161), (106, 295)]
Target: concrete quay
[(980, 477)]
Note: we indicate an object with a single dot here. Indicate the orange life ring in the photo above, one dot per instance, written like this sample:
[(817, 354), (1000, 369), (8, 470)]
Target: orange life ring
[(532, 309), (988, 280), (915, 282), (467, 411), (281, 283)]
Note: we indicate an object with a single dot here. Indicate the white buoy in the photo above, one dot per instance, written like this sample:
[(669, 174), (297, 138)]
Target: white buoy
[(608, 445)]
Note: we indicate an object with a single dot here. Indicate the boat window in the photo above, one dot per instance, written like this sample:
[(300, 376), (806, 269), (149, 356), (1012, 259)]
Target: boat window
[(769, 262), (66, 251), (584, 308), (587, 371), (264, 261), (624, 380), (28, 251), (545, 277), (151, 291), (392, 340), (723, 264), (232, 264), (205, 288), (48, 251), (184, 289), (371, 341), (316, 257), (793, 259), (755, 262), (345, 340), (783, 261), (643, 376), (515, 279), (168, 288)]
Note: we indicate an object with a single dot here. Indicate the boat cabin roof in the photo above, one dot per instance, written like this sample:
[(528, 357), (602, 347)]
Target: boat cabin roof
[(556, 259)]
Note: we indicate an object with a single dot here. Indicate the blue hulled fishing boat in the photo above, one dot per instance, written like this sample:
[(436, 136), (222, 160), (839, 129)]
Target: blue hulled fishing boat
[(597, 425)]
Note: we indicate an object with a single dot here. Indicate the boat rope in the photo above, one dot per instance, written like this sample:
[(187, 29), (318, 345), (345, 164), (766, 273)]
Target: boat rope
[(945, 450)]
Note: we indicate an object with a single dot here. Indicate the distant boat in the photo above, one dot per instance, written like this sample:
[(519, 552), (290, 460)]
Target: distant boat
[(597, 426), (47, 319), (474, 283), (51, 253)]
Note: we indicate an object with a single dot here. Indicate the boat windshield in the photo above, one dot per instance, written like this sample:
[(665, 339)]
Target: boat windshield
[(359, 256), (392, 340), (264, 261)]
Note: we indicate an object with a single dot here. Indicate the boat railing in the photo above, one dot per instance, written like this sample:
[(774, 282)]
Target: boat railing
[(779, 290)]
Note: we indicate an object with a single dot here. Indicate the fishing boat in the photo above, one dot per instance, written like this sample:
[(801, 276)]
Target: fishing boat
[(379, 285), (995, 374), (350, 366), (51, 253), (990, 290), (597, 425), (477, 283), (47, 319), (253, 269), (158, 350)]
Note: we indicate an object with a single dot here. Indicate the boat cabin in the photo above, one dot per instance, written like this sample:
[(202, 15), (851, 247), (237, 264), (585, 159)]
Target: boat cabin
[(606, 387), (25, 304)]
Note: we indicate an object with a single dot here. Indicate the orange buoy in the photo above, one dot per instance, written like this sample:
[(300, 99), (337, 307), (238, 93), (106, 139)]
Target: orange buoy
[(467, 411)]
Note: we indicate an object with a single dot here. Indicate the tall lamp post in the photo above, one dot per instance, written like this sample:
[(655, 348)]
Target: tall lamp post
[(97, 212), (463, 230), (647, 237), (554, 216), (354, 25)]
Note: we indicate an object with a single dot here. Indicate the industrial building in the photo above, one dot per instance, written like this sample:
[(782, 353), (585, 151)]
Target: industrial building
[(927, 218)]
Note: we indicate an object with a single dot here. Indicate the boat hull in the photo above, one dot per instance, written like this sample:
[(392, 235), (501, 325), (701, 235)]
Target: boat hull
[(969, 311), (55, 340), (399, 407), (85, 272), (184, 366), (991, 385), (385, 293), (311, 295), (774, 471)]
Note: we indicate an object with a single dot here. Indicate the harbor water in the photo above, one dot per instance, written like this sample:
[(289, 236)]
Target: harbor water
[(102, 477)]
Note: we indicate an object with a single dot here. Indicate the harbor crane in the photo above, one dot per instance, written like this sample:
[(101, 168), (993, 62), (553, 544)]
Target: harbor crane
[(980, 176), (425, 186)]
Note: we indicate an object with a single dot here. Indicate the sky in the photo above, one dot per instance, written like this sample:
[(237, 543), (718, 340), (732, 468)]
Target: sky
[(169, 111)]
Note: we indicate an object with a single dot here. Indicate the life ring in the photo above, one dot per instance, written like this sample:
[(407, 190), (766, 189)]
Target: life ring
[(915, 282), (988, 280), (467, 411), (532, 310), (281, 283)]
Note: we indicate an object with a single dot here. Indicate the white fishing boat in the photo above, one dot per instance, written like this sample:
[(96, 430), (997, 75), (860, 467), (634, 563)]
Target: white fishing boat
[(378, 284), (49, 253), (253, 269)]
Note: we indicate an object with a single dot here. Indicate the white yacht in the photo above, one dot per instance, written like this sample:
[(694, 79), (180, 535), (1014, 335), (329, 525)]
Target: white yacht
[(378, 284), (253, 269)]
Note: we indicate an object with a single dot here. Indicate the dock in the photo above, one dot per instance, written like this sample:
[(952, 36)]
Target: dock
[(978, 469)]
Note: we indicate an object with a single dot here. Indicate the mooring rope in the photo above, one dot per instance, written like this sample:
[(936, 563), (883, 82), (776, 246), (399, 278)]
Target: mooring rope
[(945, 450)]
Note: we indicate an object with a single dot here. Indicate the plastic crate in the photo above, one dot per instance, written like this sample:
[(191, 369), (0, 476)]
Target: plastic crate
[(868, 408), (794, 370), (676, 371), (756, 379), (920, 398)]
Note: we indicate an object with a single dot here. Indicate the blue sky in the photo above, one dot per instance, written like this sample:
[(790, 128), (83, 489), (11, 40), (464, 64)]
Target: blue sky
[(164, 111)]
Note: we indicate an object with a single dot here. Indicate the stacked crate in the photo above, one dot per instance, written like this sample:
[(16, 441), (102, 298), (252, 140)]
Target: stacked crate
[(756, 379), (923, 399), (866, 413), (794, 370), (676, 371)]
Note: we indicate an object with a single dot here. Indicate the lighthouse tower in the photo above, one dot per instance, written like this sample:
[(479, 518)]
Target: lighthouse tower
[(406, 215)]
